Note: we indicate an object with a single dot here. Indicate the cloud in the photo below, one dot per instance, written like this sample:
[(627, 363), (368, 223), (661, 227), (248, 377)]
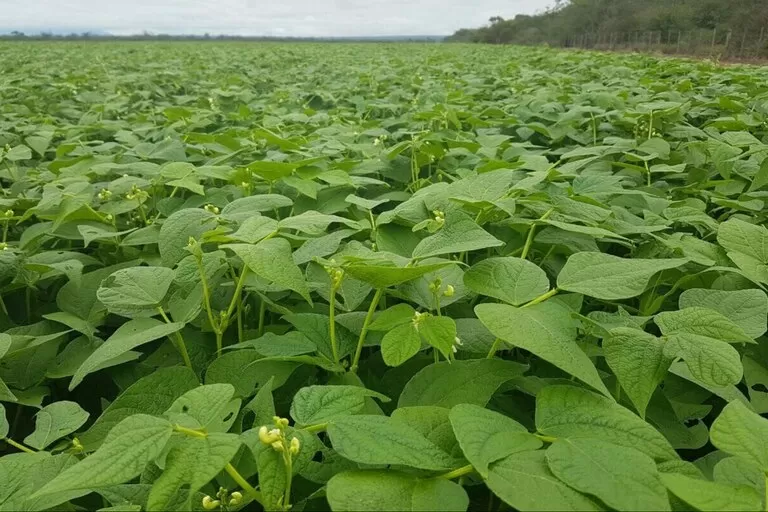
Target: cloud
[(311, 18)]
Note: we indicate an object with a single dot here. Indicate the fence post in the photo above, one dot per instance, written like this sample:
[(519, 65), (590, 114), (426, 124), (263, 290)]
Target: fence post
[(679, 35), (760, 42), (714, 37), (743, 42), (727, 43)]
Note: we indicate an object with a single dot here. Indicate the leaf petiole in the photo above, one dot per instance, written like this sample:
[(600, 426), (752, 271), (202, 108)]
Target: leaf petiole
[(364, 332), (456, 473)]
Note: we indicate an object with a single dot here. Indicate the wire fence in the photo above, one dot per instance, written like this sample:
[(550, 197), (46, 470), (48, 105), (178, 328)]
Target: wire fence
[(714, 43)]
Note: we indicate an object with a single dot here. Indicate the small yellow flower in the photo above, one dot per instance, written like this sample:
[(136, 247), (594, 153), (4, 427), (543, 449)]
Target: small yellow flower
[(210, 504), (295, 446)]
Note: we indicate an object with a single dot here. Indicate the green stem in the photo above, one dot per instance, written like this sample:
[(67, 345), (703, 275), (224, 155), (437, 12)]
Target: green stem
[(494, 348), (243, 483), (456, 473), (262, 314), (318, 427), (541, 298), (219, 342), (287, 458), (332, 325), (765, 505), (19, 446), (178, 342), (5, 230), (546, 439), (190, 432), (207, 295), (238, 291), (532, 232), (364, 332), (240, 328)]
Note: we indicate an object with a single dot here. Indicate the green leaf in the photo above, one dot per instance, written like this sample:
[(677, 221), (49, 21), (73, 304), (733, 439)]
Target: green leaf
[(711, 361), (608, 277), (128, 336), (315, 223), (178, 229), (712, 496), (384, 276), (746, 308), (128, 448), (392, 317), (446, 384), (487, 436), (574, 413), (623, 478), (55, 421), (191, 463), (320, 404), (4, 426), (271, 259), (367, 439), (741, 432), (439, 332), (210, 407), (152, 395), (459, 234), (738, 471), (383, 491), (737, 236), (254, 229), (513, 280), (523, 480), (702, 322), (433, 423), (135, 291), (400, 344), (638, 361), (546, 330)]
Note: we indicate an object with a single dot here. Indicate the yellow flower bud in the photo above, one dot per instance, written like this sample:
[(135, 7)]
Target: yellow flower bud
[(267, 436), (295, 446), (209, 503), (449, 291), (278, 446)]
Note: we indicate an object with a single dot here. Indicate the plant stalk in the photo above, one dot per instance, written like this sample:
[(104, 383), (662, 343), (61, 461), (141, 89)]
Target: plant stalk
[(364, 332)]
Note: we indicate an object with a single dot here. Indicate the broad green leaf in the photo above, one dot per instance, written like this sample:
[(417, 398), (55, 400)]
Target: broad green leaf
[(254, 229), (384, 276), (291, 343), (392, 317), (712, 496), (638, 361), (746, 308), (433, 423), (191, 463), (242, 209), (133, 443), (272, 477), (271, 260), (702, 322), (446, 384), (573, 413), (315, 223), (130, 335), (622, 478), (246, 370), (523, 480), (4, 426), (400, 344), (211, 407), (738, 471), (751, 240), (178, 229), (439, 332), (513, 280), (135, 291), (486, 436), (382, 491), (459, 234), (320, 404), (367, 439), (741, 432), (711, 361), (55, 421), (152, 395), (546, 330), (608, 277)]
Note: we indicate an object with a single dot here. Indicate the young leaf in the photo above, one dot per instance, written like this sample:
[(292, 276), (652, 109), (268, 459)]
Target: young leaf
[(384, 276), (638, 361), (55, 421), (746, 308), (741, 432), (609, 277), (392, 317), (439, 332), (178, 228), (546, 330), (320, 404), (382, 491), (702, 322), (711, 361), (460, 234), (400, 344), (711, 496), (210, 407), (622, 478), (135, 291), (513, 280)]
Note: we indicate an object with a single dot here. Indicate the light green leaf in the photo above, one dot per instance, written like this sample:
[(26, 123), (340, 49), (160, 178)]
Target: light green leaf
[(702, 322), (609, 277), (738, 471), (433, 423), (130, 335), (191, 463), (178, 229), (254, 229), (382, 491), (135, 291), (368, 439), (4, 426), (271, 260), (400, 344), (459, 234), (546, 330), (746, 308), (741, 432), (447, 384), (439, 332), (55, 421), (523, 480), (384, 276), (129, 447), (242, 209), (737, 236), (711, 361), (320, 404), (315, 223), (623, 478), (637, 359), (210, 407), (574, 413), (711, 496), (486, 436), (513, 280), (392, 317)]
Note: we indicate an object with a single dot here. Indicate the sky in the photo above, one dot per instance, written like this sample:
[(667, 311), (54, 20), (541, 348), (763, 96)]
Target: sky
[(289, 18)]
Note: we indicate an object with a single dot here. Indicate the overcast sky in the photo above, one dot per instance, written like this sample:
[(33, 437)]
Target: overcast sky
[(260, 17)]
